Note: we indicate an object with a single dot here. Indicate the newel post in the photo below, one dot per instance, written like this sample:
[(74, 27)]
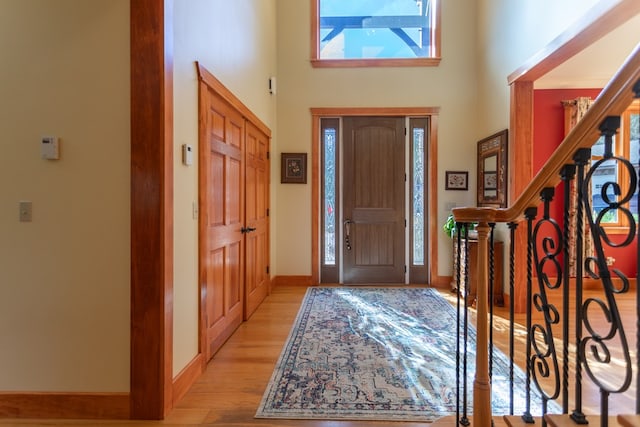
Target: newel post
[(482, 382)]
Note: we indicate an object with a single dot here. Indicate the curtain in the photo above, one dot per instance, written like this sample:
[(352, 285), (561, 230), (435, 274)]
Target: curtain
[(574, 110)]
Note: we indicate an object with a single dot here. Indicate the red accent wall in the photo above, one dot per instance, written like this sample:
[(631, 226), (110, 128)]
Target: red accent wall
[(548, 133), (548, 123)]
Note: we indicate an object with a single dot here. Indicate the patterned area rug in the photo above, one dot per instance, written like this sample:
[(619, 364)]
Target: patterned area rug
[(376, 353)]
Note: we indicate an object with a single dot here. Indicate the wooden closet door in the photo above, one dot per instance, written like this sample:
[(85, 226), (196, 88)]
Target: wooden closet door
[(221, 220), (257, 218)]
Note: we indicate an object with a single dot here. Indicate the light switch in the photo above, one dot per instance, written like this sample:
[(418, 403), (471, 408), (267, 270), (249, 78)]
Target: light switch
[(25, 211), (50, 148), (194, 210)]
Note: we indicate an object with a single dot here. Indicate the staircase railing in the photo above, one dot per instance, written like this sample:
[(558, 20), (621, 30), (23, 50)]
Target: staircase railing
[(549, 353)]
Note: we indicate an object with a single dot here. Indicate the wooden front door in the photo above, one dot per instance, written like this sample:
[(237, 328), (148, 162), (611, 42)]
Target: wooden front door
[(374, 200), (257, 218), (222, 213)]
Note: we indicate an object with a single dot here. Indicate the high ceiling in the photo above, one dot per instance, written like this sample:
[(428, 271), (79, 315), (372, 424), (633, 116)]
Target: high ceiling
[(596, 65)]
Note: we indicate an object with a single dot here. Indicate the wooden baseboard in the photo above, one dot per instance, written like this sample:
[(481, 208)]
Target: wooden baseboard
[(185, 378), (113, 406), (441, 282), (292, 281), (593, 284), (589, 283)]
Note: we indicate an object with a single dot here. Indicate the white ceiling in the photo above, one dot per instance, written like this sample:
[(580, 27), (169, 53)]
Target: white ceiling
[(596, 65)]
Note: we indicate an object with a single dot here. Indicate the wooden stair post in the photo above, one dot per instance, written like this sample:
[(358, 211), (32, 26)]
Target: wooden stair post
[(482, 382)]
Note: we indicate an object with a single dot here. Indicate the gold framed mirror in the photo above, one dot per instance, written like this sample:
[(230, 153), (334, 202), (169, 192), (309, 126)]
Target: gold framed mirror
[(492, 170)]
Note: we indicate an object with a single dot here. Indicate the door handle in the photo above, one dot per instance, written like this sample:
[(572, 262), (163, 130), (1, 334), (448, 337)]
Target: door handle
[(247, 230), (347, 233)]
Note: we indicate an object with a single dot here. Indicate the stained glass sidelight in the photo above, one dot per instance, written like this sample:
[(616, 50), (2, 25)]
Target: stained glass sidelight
[(329, 195), (418, 196)]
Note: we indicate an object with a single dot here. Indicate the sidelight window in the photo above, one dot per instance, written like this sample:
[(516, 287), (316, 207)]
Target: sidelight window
[(329, 149)]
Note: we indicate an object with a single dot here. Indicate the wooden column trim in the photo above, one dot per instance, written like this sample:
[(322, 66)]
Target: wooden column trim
[(597, 22), (151, 208), (432, 204), (315, 198), (521, 165)]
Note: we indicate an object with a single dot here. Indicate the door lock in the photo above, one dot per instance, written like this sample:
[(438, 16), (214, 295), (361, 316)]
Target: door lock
[(247, 230), (347, 233)]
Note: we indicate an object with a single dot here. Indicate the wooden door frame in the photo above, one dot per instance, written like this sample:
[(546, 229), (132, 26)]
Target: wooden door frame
[(598, 22), (432, 170)]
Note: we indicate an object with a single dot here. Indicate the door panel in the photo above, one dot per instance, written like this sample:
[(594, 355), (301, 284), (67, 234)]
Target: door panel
[(256, 218), (374, 200), (221, 220)]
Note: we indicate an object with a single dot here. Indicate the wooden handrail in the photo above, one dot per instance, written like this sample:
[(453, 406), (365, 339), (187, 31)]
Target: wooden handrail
[(613, 100)]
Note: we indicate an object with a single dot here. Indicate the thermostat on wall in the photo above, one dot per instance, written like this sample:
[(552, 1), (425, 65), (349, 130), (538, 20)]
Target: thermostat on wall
[(50, 148), (187, 154)]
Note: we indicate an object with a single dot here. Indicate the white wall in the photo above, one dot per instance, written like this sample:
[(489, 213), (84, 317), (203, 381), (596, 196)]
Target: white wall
[(235, 41), (452, 86), (509, 33), (64, 277)]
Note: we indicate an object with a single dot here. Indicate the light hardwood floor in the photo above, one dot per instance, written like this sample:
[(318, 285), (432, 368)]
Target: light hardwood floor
[(230, 390)]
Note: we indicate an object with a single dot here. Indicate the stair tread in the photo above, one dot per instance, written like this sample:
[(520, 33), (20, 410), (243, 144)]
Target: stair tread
[(564, 420), (629, 420), (517, 421), (450, 421)]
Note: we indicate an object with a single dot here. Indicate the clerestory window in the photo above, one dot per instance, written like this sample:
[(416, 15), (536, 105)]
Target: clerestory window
[(375, 33)]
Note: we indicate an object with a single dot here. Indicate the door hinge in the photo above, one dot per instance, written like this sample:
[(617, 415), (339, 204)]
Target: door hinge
[(268, 155), (405, 177), (267, 212), (267, 269), (405, 131), (405, 268), (405, 223)]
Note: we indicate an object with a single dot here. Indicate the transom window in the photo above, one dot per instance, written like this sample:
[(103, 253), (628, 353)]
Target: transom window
[(375, 32)]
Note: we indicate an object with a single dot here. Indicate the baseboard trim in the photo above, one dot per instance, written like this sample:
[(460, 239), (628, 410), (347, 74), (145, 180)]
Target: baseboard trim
[(113, 406), (292, 281), (441, 282), (187, 377)]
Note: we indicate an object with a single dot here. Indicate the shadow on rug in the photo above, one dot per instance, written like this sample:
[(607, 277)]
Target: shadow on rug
[(377, 353)]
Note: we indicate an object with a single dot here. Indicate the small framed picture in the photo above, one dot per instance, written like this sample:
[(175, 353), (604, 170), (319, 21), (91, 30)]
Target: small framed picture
[(293, 168), (457, 180)]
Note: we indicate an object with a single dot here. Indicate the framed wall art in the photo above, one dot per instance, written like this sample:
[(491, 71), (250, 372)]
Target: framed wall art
[(457, 180), (492, 170), (293, 168)]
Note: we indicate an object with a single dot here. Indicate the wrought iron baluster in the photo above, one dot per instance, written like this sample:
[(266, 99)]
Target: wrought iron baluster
[(465, 236), (492, 226), (596, 266), (636, 91), (567, 175), (512, 276), (530, 215), (548, 242), (581, 159), (457, 275)]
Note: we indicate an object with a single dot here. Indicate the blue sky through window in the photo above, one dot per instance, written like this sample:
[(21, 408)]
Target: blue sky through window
[(359, 29)]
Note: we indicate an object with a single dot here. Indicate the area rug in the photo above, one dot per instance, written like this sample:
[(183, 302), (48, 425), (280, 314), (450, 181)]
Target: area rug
[(377, 353)]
